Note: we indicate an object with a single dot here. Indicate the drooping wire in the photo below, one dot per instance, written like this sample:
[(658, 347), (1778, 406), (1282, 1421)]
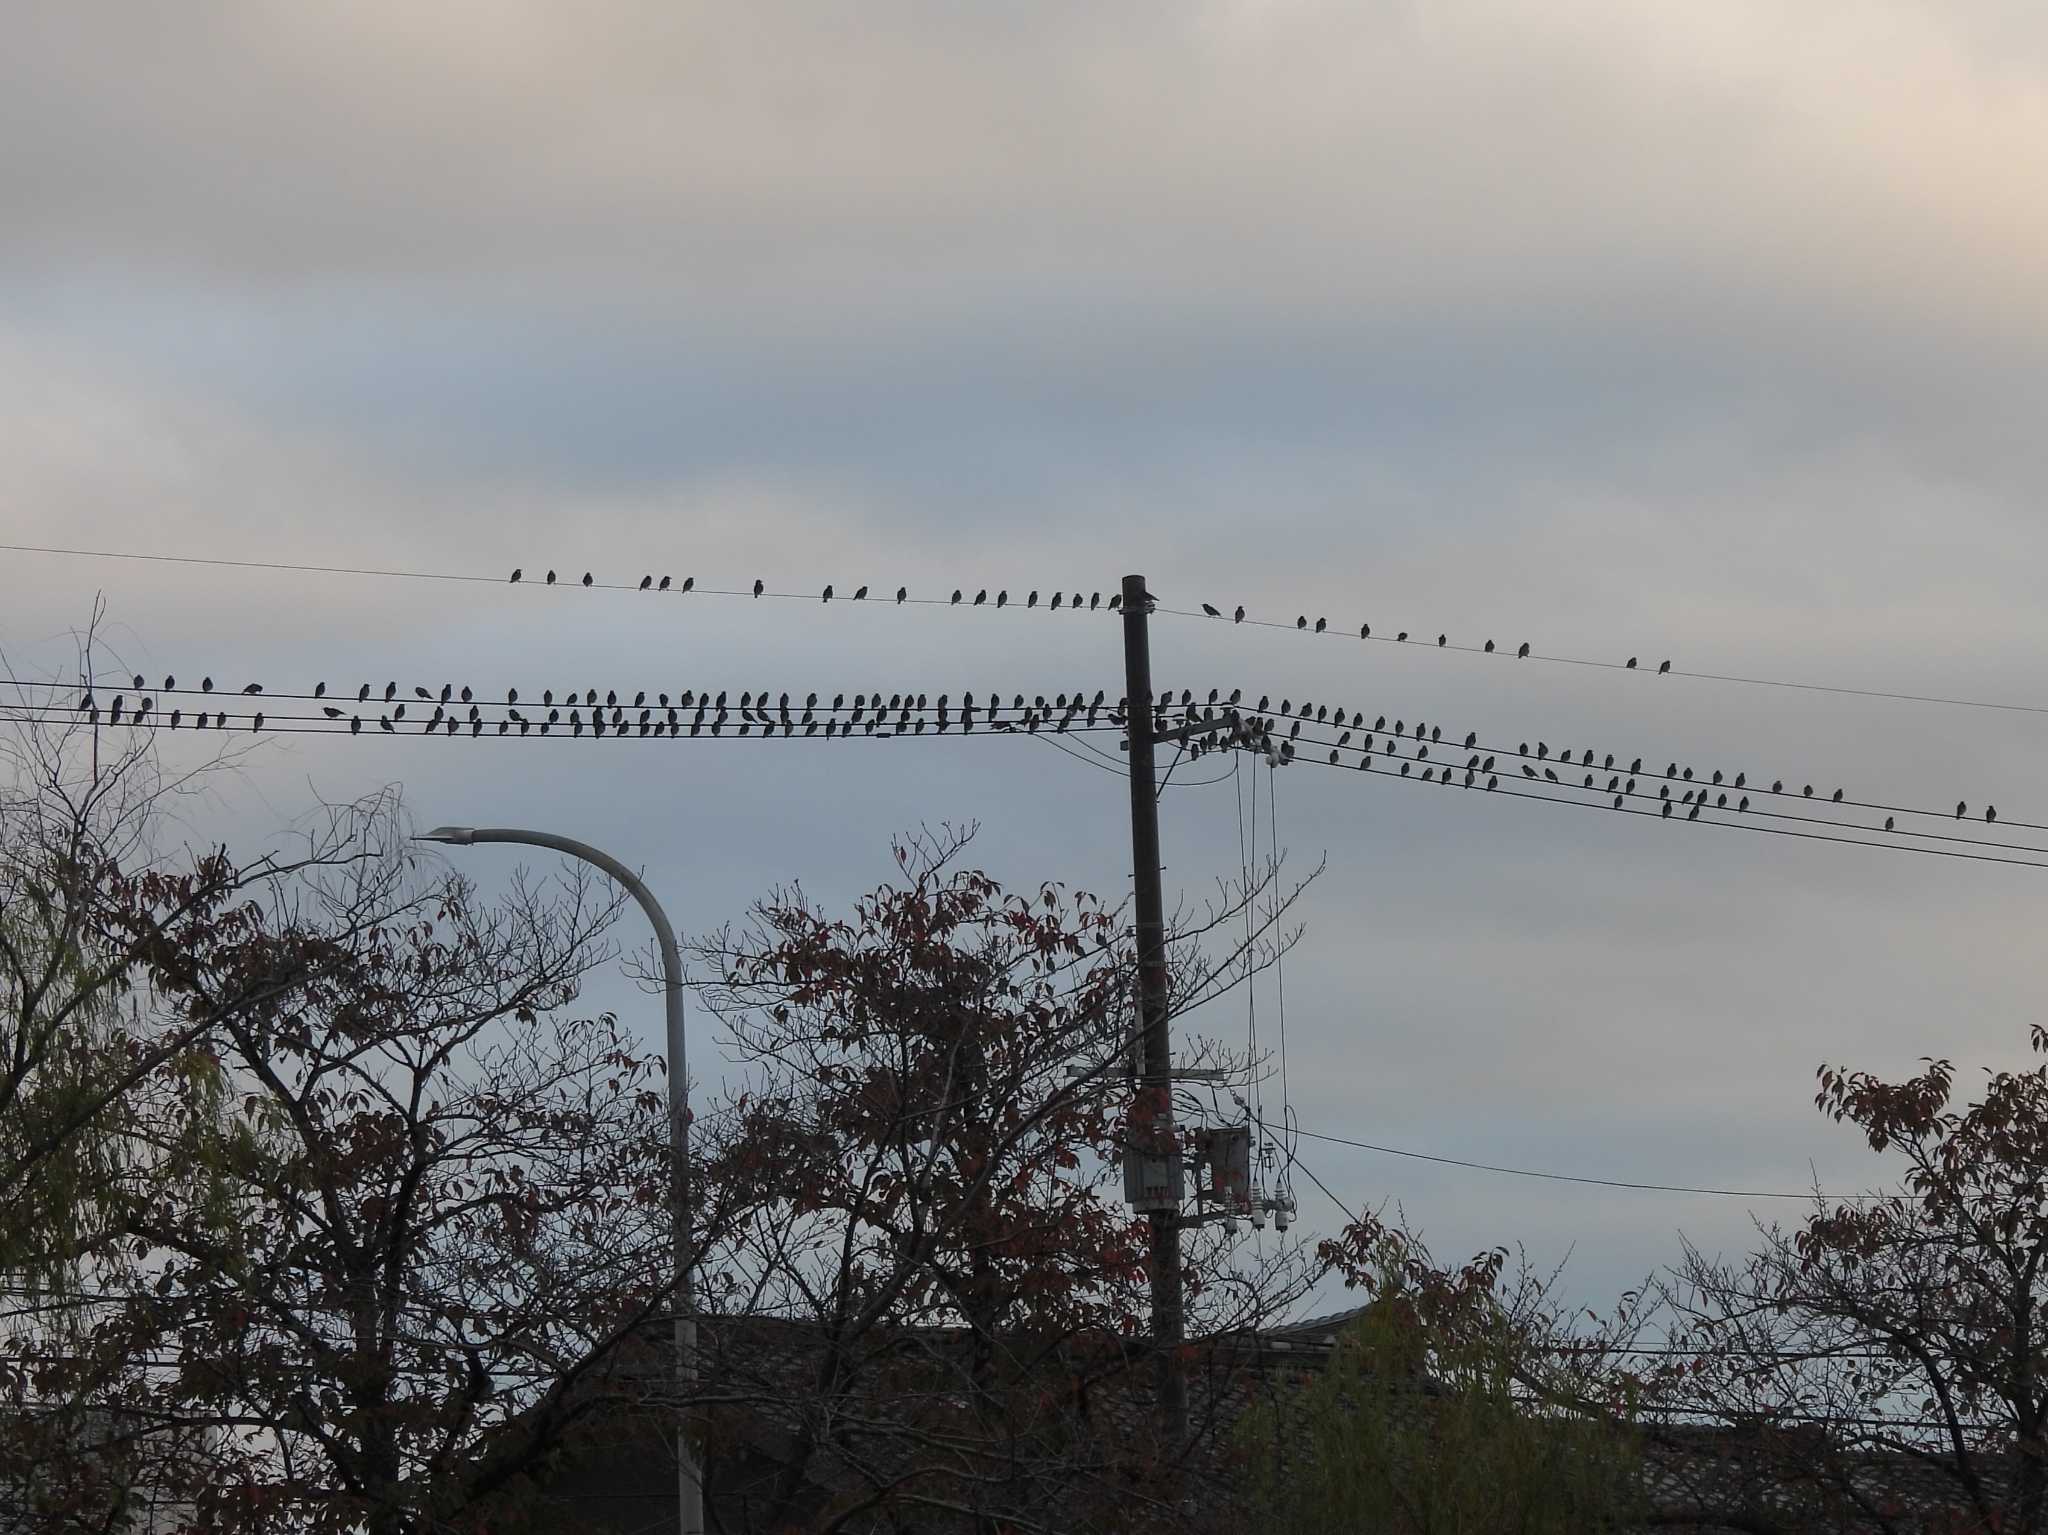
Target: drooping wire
[(1110, 607), (1606, 1183), (1246, 851), (1286, 1191), (1665, 669)]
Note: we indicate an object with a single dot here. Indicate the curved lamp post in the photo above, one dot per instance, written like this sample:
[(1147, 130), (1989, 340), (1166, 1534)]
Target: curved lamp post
[(689, 1485)]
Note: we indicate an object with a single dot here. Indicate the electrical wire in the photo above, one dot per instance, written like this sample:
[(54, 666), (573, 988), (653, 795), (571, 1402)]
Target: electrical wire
[(1509, 791), (1104, 607), (1605, 1183), (1561, 660)]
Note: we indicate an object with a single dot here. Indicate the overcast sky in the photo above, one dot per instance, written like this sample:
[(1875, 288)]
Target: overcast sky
[(1713, 331)]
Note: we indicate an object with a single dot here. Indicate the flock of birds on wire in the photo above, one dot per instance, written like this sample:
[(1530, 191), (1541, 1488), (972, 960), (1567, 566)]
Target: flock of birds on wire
[(1073, 601), (457, 710), (1223, 721)]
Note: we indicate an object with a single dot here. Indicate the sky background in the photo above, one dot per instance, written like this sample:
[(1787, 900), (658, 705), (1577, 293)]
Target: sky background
[(1713, 331)]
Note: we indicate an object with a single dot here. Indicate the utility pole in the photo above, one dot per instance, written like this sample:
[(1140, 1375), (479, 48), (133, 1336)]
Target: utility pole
[(1155, 1083)]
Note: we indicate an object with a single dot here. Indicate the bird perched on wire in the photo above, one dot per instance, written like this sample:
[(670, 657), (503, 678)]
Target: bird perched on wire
[(1301, 621), (1663, 668), (1523, 653), (826, 594), (516, 574), (646, 583), (663, 585), (1489, 647), (1631, 664), (1238, 617), (903, 595), (551, 578), (586, 578), (859, 593), (760, 587), (1212, 612)]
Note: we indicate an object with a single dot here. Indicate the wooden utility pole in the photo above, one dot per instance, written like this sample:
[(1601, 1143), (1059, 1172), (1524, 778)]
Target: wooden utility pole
[(1154, 1122)]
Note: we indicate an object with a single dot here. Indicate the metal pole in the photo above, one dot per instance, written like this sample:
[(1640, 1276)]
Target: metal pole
[(1168, 1323), (689, 1484)]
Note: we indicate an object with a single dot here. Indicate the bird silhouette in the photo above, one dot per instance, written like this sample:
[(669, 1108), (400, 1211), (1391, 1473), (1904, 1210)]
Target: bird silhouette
[(646, 583), (1631, 663), (330, 711), (355, 725), (1322, 624), (1403, 635), (1003, 597), (252, 689), (662, 585), (1663, 668), (551, 578), (1990, 812), (1055, 605), (859, 593), (760, 587), (1838, 796), (390, 691), (1889, 822), (826, 594), (319, 688), (1365, 631), (1489, 647), (206, 684), (257, 722), (1442, 640), (1777, 786), (516, 574), (903, 595), (363, 693), (1960, 808), (688, 582), (1116, 602), (1032, 600), (1523, 653), (1211, 611), (586, 578), (980, 597)]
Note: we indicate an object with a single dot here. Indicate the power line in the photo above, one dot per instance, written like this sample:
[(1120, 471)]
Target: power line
[(1509, 791), (1096, 603), (1550, 1177), (1320, 630)]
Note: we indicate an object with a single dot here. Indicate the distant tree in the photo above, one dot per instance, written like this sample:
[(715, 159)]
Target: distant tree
[(1446, 1408), (928, 1137), (1888, 1360)]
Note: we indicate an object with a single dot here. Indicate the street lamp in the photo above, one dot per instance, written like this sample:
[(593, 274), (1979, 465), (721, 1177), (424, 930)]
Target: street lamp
[(689, 1484)]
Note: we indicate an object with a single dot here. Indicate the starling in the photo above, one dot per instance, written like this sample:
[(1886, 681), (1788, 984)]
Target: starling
[(903, 595), (1116, 602), (1322, 624), (981, 597), (1808, 791), (1777, 786), (1990, 813), (1003, 597), (1031, 601), (646, 583), (551, 578), (663, 585), (1442, 640), (1403, 635), (390, 691), (1238, 617), (859, 592), (1667, 810), (516, 574), (252, 689), (1489, 647), (1212, 612), (760, 587), (956, 597), (1301, 621), (1056, 605), (1631, 663), (257, 723), (1960, 808), (363, 693), (1365, 631), (1523, 653), (1889, 822), (826, 594), (355, 725), (586, 578), (1663, 668), (319, 688), (1617, 802), (446, 691), (688, 582), (420, 692), (330, 711), (1838, 796)]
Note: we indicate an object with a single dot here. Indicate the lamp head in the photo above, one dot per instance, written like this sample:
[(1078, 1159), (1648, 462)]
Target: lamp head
[(460, 836)]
